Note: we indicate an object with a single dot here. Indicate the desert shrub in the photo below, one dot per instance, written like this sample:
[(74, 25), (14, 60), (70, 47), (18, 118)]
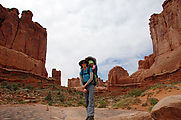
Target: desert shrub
[(122, 103), (60, 96), (49, 96), (135, 93), (19, 85), (21, 102), (51, 86), (102, 104), (23, 84), (150, 108), (81, 102), (41, 87), (153, 101)]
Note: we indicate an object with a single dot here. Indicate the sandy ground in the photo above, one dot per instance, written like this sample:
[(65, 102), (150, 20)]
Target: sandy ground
[(43, 112)]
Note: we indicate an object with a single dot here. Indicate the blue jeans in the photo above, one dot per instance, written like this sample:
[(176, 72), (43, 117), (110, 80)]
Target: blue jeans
[(89, 98)]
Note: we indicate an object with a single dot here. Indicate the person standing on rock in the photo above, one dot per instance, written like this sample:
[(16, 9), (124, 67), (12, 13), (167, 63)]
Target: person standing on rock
[(86, 78)]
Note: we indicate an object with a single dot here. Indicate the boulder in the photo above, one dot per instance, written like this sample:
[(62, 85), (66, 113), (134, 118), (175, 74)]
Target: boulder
[(168, 108)]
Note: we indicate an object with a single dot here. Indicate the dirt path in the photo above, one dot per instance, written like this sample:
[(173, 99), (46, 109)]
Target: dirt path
[(42, 112)]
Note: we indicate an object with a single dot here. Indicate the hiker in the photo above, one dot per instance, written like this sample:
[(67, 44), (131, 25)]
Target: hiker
[(86, 79)]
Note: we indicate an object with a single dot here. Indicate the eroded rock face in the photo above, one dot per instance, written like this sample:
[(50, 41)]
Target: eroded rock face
[(168, 108), (147, 62), (22, 42), (165, 30)]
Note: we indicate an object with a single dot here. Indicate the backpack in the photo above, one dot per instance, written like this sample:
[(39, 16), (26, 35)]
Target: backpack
[(95, 76)]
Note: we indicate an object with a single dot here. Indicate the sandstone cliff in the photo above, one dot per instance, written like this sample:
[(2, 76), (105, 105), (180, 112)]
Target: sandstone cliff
[(23, 43), (165, 30)]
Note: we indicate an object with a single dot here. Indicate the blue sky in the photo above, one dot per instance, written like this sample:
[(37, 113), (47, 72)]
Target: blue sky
[(116, 32)]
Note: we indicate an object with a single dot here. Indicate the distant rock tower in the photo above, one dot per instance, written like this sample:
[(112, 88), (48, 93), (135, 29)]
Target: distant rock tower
[(57, 76)]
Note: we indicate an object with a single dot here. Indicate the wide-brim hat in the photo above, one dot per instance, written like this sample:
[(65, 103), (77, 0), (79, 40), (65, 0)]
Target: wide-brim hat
[(83, 61)]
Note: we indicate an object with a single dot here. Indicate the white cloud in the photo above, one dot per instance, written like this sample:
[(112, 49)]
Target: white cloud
[(107, 29)]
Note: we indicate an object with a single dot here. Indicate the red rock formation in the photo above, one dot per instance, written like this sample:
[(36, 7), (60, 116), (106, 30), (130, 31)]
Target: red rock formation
[(166, 38), (115, 74), (22, 42), (74, 82), (147, 62), (57, 76), (165, 28)]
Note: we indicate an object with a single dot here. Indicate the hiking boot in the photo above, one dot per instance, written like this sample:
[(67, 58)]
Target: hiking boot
[(90, 118)]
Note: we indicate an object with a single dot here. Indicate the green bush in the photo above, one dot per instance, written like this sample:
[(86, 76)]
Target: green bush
[(49, 97), (122, 103), (150, 108), (102, 104), (41, 87), (21, 102), (23, 84), (60, 96), (82, 103), (153, 101), (135, 93), (19, 85)]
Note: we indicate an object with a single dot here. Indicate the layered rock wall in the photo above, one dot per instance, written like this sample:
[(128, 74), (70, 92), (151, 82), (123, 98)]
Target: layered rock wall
[(23, 43), (165, 30)]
